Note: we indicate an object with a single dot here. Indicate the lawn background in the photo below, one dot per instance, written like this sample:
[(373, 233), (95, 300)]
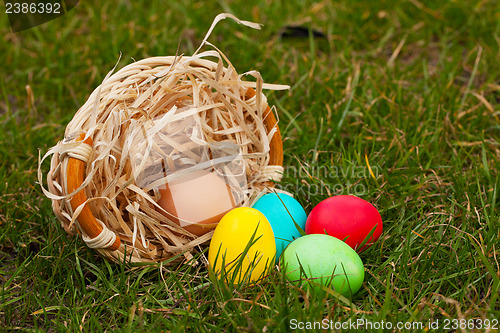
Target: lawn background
[(411, 88)]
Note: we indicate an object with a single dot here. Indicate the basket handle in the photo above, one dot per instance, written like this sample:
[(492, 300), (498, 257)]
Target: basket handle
[(276, 144), (86, 220)]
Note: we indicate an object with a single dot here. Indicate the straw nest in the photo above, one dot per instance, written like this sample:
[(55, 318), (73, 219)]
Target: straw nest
[(95, 182)]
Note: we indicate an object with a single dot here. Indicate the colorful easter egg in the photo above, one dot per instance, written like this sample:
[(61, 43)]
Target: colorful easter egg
[(283, 213), (319, 260), (348, 218), (242, 248)]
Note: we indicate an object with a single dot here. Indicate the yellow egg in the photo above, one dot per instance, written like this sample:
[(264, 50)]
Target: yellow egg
[(231, 239)]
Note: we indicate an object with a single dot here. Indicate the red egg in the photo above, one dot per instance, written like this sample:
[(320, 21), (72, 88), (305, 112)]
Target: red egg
[(348, 218)]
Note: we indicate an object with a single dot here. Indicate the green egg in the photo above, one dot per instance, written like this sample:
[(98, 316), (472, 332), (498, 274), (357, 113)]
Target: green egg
[(321, 260)]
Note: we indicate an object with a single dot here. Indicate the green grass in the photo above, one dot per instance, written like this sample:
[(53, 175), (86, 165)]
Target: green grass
[(411, 87)]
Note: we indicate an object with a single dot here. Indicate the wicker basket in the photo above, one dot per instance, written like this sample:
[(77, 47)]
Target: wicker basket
[(91, 182)]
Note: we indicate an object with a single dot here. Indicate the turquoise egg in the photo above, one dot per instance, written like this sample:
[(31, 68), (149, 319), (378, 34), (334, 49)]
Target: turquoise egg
[(320, 260), (281, 214)]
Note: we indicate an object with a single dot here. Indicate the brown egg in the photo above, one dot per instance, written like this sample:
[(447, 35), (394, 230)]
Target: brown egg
[(197, 202)]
